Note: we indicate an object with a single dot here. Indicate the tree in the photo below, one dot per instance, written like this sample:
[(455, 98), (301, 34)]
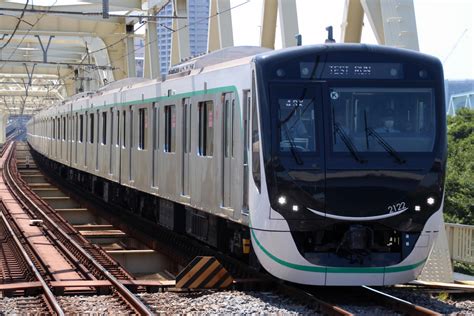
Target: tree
[(459, 200)]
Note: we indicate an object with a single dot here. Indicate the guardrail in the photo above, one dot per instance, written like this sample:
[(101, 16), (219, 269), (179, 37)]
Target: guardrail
[(461, 242)]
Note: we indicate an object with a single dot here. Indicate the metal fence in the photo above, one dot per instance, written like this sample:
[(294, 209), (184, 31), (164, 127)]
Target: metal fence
[(461, 242), (462, 100)]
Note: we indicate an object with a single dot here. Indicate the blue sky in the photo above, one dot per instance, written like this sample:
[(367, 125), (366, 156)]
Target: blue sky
[(445, 28)]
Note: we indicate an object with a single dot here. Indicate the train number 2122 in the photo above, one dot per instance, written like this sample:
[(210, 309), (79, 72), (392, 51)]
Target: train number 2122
[(399, 207)]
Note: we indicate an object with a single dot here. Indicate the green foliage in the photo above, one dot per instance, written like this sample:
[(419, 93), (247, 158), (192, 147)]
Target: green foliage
[(459, 201), (463, 268)]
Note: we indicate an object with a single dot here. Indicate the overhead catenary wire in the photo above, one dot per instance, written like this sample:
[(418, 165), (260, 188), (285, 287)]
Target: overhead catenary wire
[(156, 39), (26, 34), (455, 45), (21, 41), (184, 27), (64, 77), (20, 19)]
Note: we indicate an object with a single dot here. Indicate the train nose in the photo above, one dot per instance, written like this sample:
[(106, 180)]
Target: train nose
[(374, 195)]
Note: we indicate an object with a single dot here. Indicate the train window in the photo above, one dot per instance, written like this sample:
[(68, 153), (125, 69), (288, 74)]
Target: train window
[(131, 128), (170, 128), (81, 128), (124, 132), (104, 128), (226, 128), (64, 128), (156, 128), (76, 127), (403, 118), (296, 117), (206, 128), (232, 130), (255, 138), (91, 135), (59, 128), (54, 128), (111, 126), (142, 128), (118, 129)]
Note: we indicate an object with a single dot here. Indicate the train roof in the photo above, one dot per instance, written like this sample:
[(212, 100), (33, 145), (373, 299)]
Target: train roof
[(334, 48), (217, 57)]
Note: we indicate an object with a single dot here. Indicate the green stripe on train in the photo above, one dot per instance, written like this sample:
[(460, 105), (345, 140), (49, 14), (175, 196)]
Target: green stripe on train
[(335, 269)]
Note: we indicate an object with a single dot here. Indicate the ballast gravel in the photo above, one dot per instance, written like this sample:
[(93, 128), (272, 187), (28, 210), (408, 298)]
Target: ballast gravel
[(19, 305), (452, 305), (223, 303), (95, 305)]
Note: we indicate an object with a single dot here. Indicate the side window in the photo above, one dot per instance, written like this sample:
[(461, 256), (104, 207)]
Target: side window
[(206, 128), (124, 132), (76, 127), (81, 128), (255, 139), (156, 127), (118, 128), (104, 128), (91, 124), (170, 128), (59, 128), (54, 128), (131, 127), (64, 128), (111, 126), (142, 128)]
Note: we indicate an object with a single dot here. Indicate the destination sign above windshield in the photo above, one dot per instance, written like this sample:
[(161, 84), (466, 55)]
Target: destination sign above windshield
[(334, 70), (362, 71)]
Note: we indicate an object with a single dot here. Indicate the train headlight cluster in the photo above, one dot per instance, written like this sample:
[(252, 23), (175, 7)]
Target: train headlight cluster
[(282, 200), (430, 200)]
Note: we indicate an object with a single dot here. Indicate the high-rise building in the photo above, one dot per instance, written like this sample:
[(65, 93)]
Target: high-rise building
[(164, 30), (198, 13)]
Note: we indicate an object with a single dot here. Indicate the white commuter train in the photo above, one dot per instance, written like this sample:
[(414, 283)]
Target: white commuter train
[(329, 158)]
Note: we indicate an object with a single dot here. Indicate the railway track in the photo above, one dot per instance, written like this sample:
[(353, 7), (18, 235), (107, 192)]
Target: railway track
[(89, 262), (19, 257)]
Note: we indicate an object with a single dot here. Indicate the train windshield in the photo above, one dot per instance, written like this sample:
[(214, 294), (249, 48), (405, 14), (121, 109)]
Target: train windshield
[(380, 119), (297, 125)]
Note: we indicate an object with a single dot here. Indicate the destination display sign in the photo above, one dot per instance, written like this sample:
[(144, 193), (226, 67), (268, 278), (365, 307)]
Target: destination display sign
[(362, 71)]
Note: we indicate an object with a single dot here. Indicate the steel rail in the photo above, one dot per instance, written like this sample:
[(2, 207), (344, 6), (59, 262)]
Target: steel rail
[(398, 304), (310, 299), (122, 290), (51, 299)]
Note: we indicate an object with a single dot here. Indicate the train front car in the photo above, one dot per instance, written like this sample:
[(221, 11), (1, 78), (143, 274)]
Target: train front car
[(348, 163)]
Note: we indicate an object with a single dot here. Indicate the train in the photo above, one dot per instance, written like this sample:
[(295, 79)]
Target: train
[(323, 164)]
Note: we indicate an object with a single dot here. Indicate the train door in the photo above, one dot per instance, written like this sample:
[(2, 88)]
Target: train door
[(228, 148), (130, 148), (156, 144), (186, 152), (77, 138), (111, 143), (97, 139), (246, 123), (86, 139)]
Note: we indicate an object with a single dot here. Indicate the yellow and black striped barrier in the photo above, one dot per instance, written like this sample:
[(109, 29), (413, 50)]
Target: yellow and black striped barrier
[(204, 273)]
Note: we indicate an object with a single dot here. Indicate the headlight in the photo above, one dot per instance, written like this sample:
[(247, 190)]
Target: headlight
[(430, 200), (282, 200)]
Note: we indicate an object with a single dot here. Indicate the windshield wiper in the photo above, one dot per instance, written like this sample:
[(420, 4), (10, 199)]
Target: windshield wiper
[(371, 132), (293, 150), (349, 144)]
